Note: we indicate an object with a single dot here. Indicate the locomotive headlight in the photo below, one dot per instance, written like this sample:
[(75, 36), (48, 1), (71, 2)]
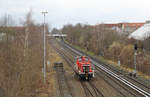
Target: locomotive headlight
[(79, 72)]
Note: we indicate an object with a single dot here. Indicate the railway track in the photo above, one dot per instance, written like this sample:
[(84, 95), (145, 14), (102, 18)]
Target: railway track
[(63, 86), (97, 91), (128, 84), (144, 85), (87, 91), (122, 80), (89, 88), (68, 55)]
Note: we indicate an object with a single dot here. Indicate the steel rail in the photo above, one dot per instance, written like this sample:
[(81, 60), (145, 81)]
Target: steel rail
[(93, 87), (86, 89)]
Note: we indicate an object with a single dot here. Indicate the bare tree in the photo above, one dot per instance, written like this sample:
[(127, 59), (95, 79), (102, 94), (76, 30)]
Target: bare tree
[(7, 21)]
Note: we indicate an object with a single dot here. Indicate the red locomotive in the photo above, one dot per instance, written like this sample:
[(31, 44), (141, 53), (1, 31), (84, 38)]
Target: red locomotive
[(84, 68)]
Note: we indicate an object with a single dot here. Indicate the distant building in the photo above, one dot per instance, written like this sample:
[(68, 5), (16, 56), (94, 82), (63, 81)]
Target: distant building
[(123, 27), (141, 33), (4, 30), (111, 26), (129, 27)]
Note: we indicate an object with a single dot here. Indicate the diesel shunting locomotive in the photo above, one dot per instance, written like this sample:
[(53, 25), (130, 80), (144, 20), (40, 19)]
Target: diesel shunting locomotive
[(83, 67)]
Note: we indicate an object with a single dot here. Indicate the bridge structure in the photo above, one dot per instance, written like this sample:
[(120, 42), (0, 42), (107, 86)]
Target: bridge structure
[(58, 35)]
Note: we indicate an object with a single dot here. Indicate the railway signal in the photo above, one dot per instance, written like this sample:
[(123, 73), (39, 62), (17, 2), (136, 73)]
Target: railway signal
[(135, 47), (135, 59), (135, 54)]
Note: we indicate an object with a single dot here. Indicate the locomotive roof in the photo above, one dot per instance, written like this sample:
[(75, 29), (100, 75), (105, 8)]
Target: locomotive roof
[(86, 59)]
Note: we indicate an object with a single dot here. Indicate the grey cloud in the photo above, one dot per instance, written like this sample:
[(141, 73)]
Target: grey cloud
[(73, 11)]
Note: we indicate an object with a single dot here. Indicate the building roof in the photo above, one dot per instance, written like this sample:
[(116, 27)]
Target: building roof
[(141, 33), (136, 25)]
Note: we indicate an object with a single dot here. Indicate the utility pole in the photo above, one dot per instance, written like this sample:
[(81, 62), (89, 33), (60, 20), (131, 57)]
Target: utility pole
[(44, 68)]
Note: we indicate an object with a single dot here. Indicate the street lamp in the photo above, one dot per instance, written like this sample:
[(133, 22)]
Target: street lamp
[(44, 69)]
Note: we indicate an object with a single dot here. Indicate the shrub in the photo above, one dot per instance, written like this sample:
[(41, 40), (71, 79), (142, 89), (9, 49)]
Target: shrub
[(127, 55)]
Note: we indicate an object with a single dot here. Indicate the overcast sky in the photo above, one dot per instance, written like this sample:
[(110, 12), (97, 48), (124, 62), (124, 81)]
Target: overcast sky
[(62, 12)]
